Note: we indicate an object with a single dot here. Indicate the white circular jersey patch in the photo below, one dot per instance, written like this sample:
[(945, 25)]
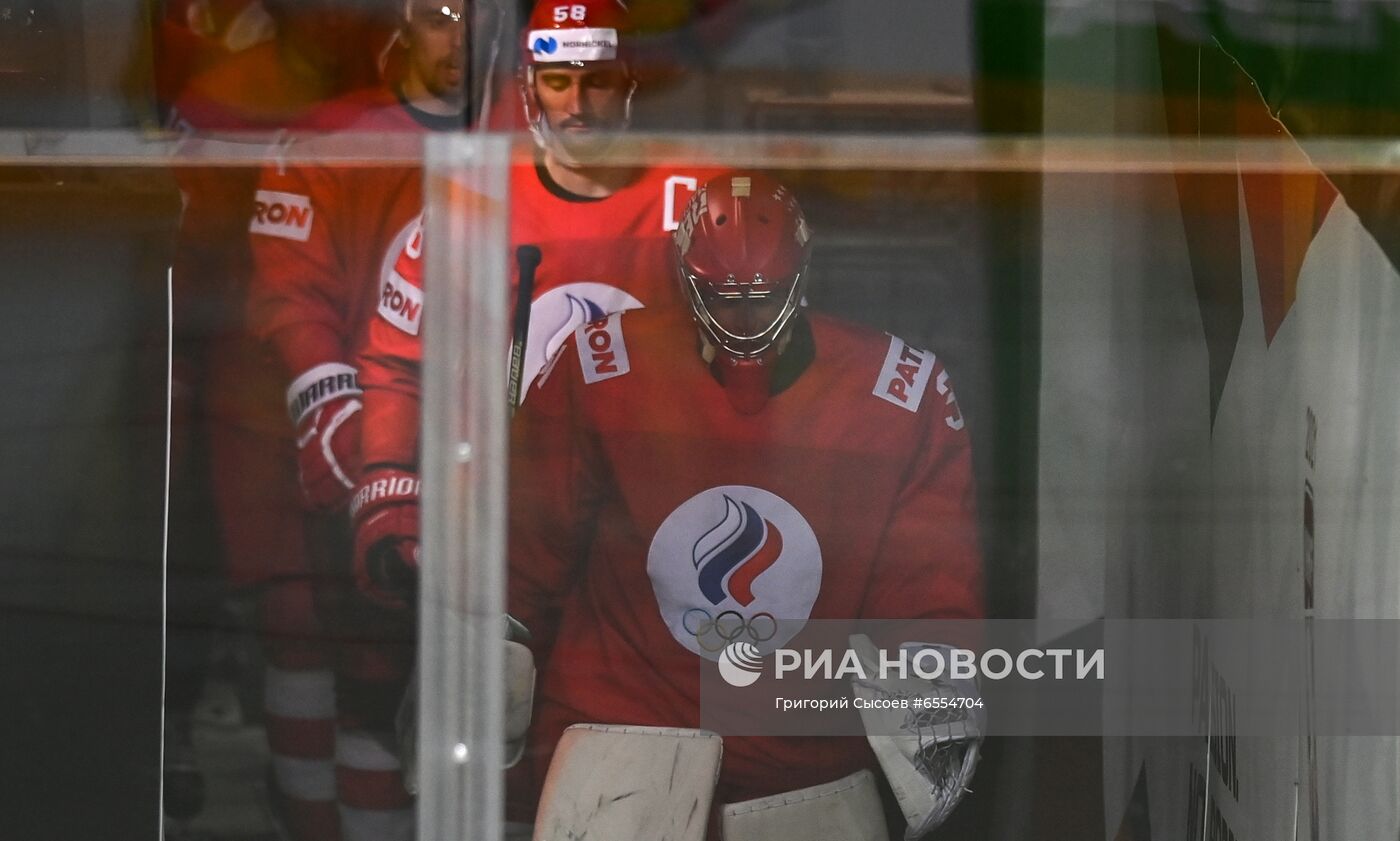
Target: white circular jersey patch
[(410, 234), (556, 314), (734, 564)]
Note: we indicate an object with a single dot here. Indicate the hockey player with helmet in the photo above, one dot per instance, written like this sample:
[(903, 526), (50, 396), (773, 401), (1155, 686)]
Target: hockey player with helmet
[(603, 231), (739, 456), (324, 240), (222, 378)]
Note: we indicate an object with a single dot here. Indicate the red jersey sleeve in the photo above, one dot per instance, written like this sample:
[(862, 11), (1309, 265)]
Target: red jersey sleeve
[(298, 295), (557, 485), (931, 537), (391, 363)]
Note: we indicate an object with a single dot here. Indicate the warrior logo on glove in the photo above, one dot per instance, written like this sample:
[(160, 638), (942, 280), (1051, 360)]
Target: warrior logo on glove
[(384, 512), (324, 404)]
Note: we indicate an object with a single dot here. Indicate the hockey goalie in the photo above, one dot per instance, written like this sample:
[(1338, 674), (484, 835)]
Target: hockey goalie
[(826, 470)]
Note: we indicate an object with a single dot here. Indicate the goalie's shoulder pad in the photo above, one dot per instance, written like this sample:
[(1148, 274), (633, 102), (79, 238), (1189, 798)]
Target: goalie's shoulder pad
[(602, 350)]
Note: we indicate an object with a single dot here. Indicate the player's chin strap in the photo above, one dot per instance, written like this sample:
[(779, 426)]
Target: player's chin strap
[(929, 755)]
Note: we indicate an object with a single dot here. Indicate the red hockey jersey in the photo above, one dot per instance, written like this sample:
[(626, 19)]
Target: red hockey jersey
[(599, 257), (250, 91), (325, 237), (642, 503)]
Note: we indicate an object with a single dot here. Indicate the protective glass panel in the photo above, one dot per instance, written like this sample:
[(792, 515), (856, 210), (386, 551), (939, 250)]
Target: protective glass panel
[(1128, 262)]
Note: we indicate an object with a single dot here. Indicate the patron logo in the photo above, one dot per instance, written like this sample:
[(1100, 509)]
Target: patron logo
[(904, 376), (557, 313), (401, 304), (285, 215), (601, 349)]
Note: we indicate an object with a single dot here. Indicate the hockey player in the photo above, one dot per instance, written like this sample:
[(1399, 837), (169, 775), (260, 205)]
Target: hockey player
[(740, 456), (325, 239), (324, 236), (221, 376), (604, 235)]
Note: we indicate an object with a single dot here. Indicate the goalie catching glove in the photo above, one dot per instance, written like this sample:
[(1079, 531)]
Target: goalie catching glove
[(929, 754), (520, 703), (384, 511), (325, 408)]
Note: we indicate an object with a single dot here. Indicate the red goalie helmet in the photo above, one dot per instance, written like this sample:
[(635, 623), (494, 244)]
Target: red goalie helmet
[(742, 250)]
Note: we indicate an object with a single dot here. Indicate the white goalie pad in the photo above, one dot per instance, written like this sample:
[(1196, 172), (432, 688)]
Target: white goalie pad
[(617, 783), (847, 809), (928, 754)]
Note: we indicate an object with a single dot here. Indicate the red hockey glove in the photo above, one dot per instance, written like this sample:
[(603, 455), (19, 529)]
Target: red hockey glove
[(325, 409), (384, 511)]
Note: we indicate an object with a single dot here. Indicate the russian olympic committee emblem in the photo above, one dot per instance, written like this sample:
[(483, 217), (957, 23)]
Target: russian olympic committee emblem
[(734, 564)]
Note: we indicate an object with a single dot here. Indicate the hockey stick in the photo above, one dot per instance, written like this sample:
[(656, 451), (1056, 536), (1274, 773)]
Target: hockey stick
[(527, 258)]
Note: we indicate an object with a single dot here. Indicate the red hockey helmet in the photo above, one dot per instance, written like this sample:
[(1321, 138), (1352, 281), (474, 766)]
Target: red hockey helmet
[(575, 32), (742, 250), (572, 33)]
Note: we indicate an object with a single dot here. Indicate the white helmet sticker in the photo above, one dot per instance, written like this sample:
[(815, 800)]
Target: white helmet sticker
[(550, 45)]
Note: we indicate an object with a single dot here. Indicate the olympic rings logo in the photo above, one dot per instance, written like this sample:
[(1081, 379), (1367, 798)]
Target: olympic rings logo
[(715, 633)]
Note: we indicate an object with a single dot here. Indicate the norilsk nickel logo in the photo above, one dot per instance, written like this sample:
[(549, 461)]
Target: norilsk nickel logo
[(735, 564)]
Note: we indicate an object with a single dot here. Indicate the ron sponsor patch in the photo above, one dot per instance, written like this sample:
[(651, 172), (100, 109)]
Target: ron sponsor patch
[(285, 215), (601, 349), (401, 303)]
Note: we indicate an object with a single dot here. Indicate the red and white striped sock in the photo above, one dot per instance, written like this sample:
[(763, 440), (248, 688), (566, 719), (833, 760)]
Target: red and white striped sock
[(374, 806), (299, 706)]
